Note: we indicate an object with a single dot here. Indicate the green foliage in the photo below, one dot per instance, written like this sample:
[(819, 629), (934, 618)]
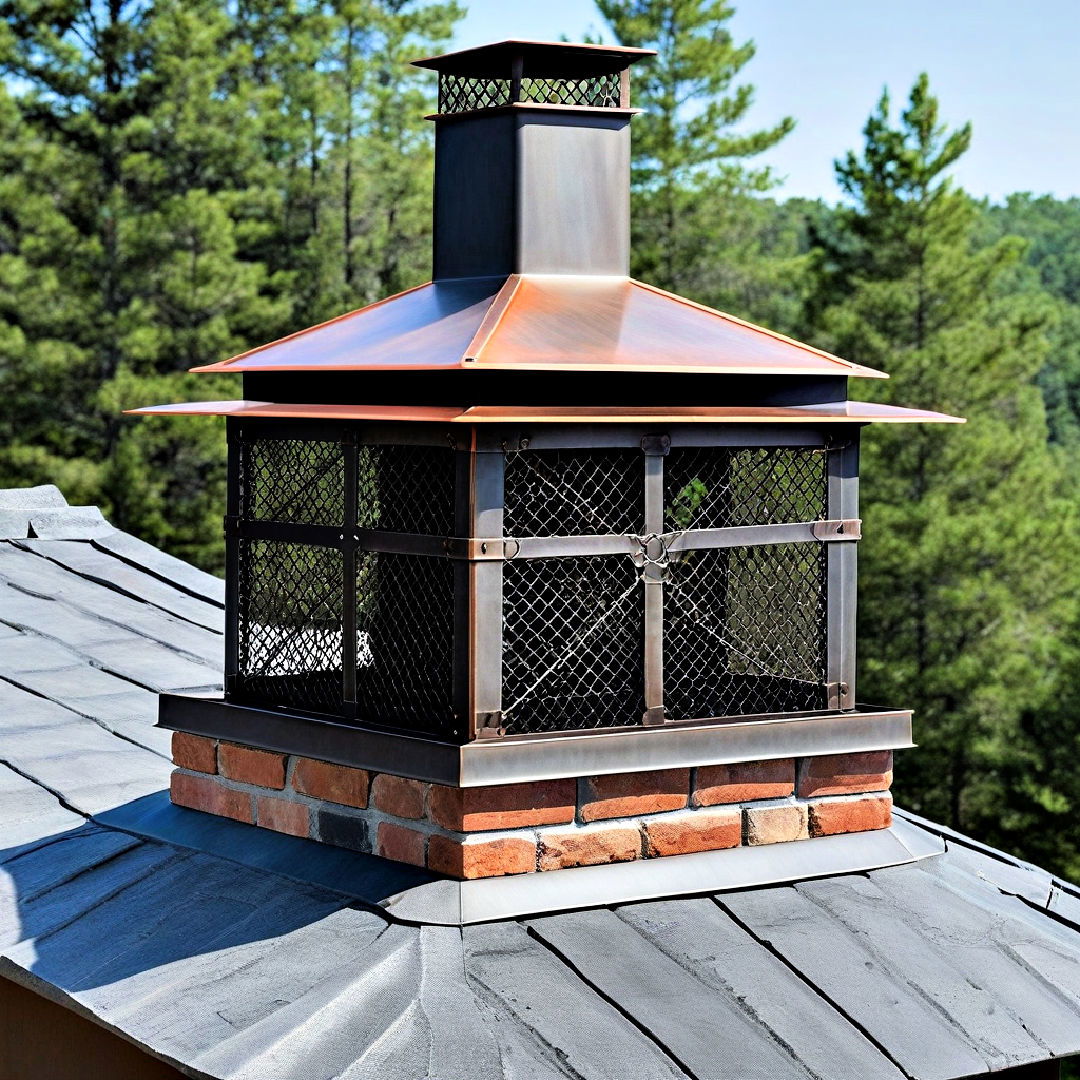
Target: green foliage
[(181, 181), (1052, 266), (696, 228), (965, 581)]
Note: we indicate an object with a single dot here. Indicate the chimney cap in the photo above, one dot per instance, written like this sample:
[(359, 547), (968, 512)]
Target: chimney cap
[(541, 59)]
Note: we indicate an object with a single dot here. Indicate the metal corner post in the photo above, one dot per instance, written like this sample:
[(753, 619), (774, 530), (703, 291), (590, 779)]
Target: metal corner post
[(351, 452), (654, 448), (233, 436), (843, 503), (486, 596), (479, 584)]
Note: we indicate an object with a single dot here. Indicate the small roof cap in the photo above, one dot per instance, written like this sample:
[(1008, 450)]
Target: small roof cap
[(540, 60)]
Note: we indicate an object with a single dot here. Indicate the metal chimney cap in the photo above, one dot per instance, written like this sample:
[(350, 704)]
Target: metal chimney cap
[(540, 60)]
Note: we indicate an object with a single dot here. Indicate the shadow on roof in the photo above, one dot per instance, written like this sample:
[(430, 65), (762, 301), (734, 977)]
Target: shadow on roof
[(97, 905)]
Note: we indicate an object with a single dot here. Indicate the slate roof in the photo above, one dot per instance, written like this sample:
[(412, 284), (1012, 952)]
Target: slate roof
[(233, 952)]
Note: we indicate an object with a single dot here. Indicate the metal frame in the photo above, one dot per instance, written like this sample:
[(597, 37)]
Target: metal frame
[(843, 465), (480, 549)]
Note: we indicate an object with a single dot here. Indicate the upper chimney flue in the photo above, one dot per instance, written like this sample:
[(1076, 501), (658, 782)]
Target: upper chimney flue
[(532, 160)]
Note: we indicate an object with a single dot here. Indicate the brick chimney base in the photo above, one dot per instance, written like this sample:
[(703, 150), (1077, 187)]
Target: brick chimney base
[(544, 825)]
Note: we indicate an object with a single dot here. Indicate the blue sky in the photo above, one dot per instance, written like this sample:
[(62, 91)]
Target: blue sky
[(1012, 69)]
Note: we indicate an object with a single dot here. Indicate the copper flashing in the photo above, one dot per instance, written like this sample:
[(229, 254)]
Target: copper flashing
[(541, 322), (841, 412)]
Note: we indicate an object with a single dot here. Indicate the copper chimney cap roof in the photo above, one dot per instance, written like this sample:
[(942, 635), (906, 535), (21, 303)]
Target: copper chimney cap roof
[(531, 273), (540, 59), (543, 322)]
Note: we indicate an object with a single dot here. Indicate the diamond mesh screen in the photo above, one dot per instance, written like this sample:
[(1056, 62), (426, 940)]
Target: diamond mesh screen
[(406, 489), (459, 93), (573, 633), (716, 487), (405, 639), (290, 625), (292, 480), (574, 492), (745, 631)]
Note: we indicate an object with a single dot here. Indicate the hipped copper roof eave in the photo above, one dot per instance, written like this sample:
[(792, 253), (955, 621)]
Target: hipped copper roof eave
[(541, 323), (849, 412), (229, 365)]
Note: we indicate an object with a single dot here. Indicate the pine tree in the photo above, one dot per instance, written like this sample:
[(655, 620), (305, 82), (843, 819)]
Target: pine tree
[(965, 569), (691, 183), (1052, 228), (387, 153), (183, 179)]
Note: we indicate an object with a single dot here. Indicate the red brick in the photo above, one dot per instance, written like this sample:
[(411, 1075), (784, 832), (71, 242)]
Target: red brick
[(194, 752), (832, 816), (845, 774), (398, 795), (774, 824), (503, 806), (282, 816), (695, 830), (250, 766), (211, 796), (628, 794), (400, 843), (746, 781), (331, 783), (588, 847), (481, 856)]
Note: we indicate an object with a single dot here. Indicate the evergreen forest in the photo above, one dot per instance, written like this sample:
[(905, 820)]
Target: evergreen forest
[(184, 179)]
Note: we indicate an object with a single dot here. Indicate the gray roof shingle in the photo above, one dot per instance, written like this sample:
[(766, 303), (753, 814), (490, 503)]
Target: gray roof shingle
[(236, 953)]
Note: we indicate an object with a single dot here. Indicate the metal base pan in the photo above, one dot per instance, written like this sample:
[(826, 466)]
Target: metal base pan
[(540, 757)]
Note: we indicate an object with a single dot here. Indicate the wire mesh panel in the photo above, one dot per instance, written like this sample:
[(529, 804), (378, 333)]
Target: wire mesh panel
[(745, 631), (465, 93), (290, 625), (406, 489), (574, 492), (573, 632), (405, 639), (596, 91), (300, 481), (744, 628), (716, 487)]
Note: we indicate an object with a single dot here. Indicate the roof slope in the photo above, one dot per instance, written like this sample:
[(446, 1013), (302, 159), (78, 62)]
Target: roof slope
[(541, 322), (283, 965)]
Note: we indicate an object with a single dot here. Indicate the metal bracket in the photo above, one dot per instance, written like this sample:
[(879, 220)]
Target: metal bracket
[(489, 725), (656, 715), (481, 549), (844, 529), (839, 693), (650, 554), (656, 445)]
